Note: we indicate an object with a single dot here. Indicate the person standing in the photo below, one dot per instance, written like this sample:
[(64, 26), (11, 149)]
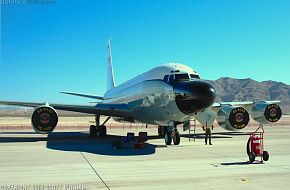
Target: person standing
[(207, 130)]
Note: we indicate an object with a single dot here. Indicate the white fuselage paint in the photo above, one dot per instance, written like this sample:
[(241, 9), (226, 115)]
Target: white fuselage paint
[(150, 99)]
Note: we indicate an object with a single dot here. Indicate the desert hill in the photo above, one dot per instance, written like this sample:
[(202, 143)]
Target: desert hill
[(231, 89)]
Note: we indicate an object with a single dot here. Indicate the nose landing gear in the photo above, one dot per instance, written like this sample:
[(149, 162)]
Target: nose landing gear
[(172, 134)]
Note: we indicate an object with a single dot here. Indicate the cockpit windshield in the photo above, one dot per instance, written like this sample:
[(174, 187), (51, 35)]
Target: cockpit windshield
[(181, 76), (194, 76), (184, 76)]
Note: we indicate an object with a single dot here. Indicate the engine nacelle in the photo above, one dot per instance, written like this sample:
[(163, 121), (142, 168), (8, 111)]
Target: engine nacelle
[(233, 118), (263, 112), (44, 119)]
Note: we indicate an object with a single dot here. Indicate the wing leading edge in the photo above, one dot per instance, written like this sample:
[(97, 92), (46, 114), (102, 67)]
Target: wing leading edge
[(220, 104), (117, 110)]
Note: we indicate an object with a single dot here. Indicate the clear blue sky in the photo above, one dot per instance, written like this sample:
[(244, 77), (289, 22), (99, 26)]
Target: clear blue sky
[(47, 48)]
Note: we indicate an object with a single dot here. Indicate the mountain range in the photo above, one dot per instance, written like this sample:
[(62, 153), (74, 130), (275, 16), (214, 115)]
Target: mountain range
[(231, 89)]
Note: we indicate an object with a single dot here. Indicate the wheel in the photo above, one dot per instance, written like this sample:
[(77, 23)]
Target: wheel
[(93, 131), (168, 138), (265, 156), (252, 157), (176, 138), (163, 131), (102, 131)]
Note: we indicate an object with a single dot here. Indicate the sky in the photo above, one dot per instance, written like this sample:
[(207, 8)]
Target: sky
[(54, 45)]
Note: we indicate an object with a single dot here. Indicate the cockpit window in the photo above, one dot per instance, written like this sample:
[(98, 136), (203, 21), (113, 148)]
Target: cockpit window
[(181, 76), (165, 79), (171, 78), (194, 76)]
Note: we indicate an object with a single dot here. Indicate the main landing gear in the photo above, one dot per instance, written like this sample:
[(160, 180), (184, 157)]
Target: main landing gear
[(99, 129), (170, 134), (162, 130)]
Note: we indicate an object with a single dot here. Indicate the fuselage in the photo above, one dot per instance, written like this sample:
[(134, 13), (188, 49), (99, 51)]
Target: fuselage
[(170, 92)]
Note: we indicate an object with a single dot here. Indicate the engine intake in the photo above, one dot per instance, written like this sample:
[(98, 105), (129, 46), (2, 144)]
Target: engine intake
[(233, 118), (263, 112), (44, 119)]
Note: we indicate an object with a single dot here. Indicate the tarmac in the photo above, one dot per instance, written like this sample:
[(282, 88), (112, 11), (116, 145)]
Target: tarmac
[(69, 159)]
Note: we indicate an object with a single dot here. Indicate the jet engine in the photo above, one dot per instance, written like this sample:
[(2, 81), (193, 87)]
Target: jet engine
[(263, 112), (44, 119), (232, 118)]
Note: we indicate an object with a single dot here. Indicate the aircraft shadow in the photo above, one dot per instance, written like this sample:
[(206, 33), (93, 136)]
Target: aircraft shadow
[(81, 142)]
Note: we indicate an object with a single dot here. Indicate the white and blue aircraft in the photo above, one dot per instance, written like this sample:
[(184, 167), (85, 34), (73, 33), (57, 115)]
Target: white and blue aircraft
[(165, 96)]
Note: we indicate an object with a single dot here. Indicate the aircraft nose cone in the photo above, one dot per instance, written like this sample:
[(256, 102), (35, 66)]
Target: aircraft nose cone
[(193, 96)]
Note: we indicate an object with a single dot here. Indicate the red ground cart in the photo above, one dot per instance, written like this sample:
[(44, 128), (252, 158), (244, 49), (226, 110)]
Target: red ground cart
[(255, 145)]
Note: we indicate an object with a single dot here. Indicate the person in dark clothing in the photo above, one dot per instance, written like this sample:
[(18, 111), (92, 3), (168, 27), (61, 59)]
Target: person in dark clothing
[(207, 134)]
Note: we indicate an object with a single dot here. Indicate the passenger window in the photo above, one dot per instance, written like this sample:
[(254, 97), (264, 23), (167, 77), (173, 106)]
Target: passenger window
[(165, 78), (194, 76)]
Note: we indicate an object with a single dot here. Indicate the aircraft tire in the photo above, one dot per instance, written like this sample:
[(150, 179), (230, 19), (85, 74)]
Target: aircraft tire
[(168, 138), (102, 131), (162, 130), (176, 138), (93, 131)]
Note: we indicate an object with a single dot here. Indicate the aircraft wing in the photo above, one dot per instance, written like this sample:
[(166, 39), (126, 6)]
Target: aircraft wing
[(24, 104), (117, 110), (246, 105), (220, 104)]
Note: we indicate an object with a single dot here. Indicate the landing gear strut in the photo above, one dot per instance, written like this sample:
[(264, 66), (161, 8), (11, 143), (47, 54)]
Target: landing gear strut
[(99, 129), (172, 134)]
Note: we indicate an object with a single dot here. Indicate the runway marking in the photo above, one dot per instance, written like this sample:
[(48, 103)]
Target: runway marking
[(95, 171)]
